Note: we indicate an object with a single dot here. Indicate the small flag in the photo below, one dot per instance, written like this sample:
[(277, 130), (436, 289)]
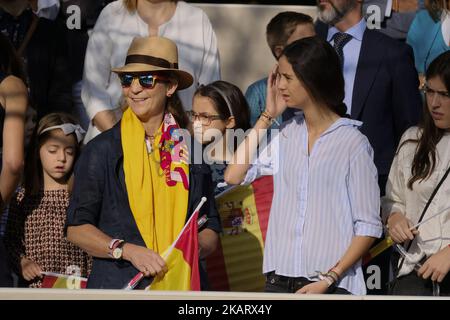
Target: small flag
[(182, 259), (63, 281), (378, 249)]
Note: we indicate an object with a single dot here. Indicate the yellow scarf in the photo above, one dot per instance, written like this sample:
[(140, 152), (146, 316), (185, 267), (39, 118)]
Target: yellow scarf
[(157, 183)]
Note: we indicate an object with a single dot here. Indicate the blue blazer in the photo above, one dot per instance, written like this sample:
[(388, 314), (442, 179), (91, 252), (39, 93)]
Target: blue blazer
[(386, 95)]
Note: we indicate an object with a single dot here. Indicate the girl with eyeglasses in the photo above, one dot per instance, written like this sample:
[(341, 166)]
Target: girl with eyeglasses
[(421, 162), (220, 114), (34, 234)]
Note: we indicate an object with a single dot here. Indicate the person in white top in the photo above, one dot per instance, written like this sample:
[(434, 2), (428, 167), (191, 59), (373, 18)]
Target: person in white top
[(121, 21), (421, 162)]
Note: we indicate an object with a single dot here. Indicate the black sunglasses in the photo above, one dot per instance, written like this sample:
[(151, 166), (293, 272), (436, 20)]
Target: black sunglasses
[(147, 81)]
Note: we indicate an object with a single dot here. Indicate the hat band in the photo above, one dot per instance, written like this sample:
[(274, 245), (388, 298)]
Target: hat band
[(150, 60)]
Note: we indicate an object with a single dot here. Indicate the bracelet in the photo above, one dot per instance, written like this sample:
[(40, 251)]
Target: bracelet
[(266, 117), (271, 119), (328, 279), (333, 275)]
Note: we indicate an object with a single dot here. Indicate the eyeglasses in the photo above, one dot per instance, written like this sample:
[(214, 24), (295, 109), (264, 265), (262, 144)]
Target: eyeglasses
[(431, 93), (204, 118), (147, 81)]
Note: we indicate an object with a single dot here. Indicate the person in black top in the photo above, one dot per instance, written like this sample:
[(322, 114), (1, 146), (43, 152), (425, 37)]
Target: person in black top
[(13, 106)]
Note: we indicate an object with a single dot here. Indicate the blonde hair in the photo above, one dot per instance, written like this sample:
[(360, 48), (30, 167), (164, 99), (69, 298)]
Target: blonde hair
[(131, 5)]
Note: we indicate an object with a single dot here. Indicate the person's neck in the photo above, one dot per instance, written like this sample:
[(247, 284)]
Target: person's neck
[(14, 8), (152, 125), (156, 14), (51, 184), (221, 154), (351, 19), (318, 119)]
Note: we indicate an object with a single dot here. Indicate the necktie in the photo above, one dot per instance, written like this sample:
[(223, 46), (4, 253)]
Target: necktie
[(340, 40)]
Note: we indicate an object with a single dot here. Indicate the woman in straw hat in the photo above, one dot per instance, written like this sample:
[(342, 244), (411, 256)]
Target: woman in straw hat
[(133, 184), (119, 22)]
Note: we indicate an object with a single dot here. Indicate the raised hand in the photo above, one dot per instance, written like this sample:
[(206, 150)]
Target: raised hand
[(275, 105)]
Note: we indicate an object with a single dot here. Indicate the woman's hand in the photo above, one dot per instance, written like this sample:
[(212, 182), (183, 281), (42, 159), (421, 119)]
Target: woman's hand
[(399, 228), (437, 266), (145, 260), (318, 287), (275, 105), (30, 269)]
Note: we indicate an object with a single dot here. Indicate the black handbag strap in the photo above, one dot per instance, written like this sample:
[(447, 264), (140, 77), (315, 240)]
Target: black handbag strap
[(425, 210)]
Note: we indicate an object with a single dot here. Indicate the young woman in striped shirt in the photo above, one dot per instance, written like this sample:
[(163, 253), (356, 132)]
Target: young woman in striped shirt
[(325, 209)]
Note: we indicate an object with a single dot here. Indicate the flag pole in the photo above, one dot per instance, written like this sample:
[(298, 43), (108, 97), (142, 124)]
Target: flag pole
[(139, 276)]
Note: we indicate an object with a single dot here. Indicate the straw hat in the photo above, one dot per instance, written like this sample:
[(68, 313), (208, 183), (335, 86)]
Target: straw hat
[(155, 54)]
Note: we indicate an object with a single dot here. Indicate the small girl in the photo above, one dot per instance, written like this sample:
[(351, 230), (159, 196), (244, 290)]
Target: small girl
[(219, 108), (34, 233)]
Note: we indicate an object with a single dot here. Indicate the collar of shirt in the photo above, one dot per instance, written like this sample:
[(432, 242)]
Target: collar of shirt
[(341, 122), (357, 31)]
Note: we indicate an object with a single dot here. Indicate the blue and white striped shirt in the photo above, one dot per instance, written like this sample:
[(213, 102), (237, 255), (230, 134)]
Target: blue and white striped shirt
[(321, 201)]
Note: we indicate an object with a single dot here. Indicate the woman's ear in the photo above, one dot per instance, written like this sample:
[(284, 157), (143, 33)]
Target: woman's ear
[(172, 87), (230, 123)]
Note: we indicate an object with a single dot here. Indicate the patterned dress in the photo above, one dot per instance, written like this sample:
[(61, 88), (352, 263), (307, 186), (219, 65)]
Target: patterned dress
[(35, 229)]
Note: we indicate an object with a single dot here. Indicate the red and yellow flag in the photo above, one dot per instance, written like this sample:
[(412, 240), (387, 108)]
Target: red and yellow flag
[(63, 281), (182, 261), (244, 212)]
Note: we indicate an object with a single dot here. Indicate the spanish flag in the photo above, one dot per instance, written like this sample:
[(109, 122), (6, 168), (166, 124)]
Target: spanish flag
[(236, 265), (182, 260), (62, 281)]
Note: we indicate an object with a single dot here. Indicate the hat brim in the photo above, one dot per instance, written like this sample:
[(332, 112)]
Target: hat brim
[(184, 78)]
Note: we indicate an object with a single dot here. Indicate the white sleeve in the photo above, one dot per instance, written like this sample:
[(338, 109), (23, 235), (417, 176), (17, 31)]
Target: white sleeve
[(210, 68), (97, 68), (395, 198)]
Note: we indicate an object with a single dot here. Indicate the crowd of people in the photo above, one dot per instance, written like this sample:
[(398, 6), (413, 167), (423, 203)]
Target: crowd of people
[(97, 125)]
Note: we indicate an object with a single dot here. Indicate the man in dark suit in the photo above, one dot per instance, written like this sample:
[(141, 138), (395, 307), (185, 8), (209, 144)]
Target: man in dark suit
[(381, 90), (382, 87)]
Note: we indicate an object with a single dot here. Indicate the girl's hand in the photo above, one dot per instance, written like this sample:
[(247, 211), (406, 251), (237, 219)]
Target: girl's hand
[(30, 269), (275, 104), (318, 287), (398, 227), (145, 260), (437, 266)]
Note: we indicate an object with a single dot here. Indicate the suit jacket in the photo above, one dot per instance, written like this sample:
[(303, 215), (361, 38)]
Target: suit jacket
[(386, 95)]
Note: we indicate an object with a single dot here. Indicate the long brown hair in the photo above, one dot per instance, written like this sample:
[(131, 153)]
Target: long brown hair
[(175, 107), (34, 180), (424, 160)]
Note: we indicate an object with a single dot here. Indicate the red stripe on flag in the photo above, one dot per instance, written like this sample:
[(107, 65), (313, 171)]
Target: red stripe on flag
[(48, 281), (217, 269), (188, 244), (263, 193)]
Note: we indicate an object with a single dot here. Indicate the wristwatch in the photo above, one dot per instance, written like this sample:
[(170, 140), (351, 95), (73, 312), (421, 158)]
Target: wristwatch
[(116, 249)]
